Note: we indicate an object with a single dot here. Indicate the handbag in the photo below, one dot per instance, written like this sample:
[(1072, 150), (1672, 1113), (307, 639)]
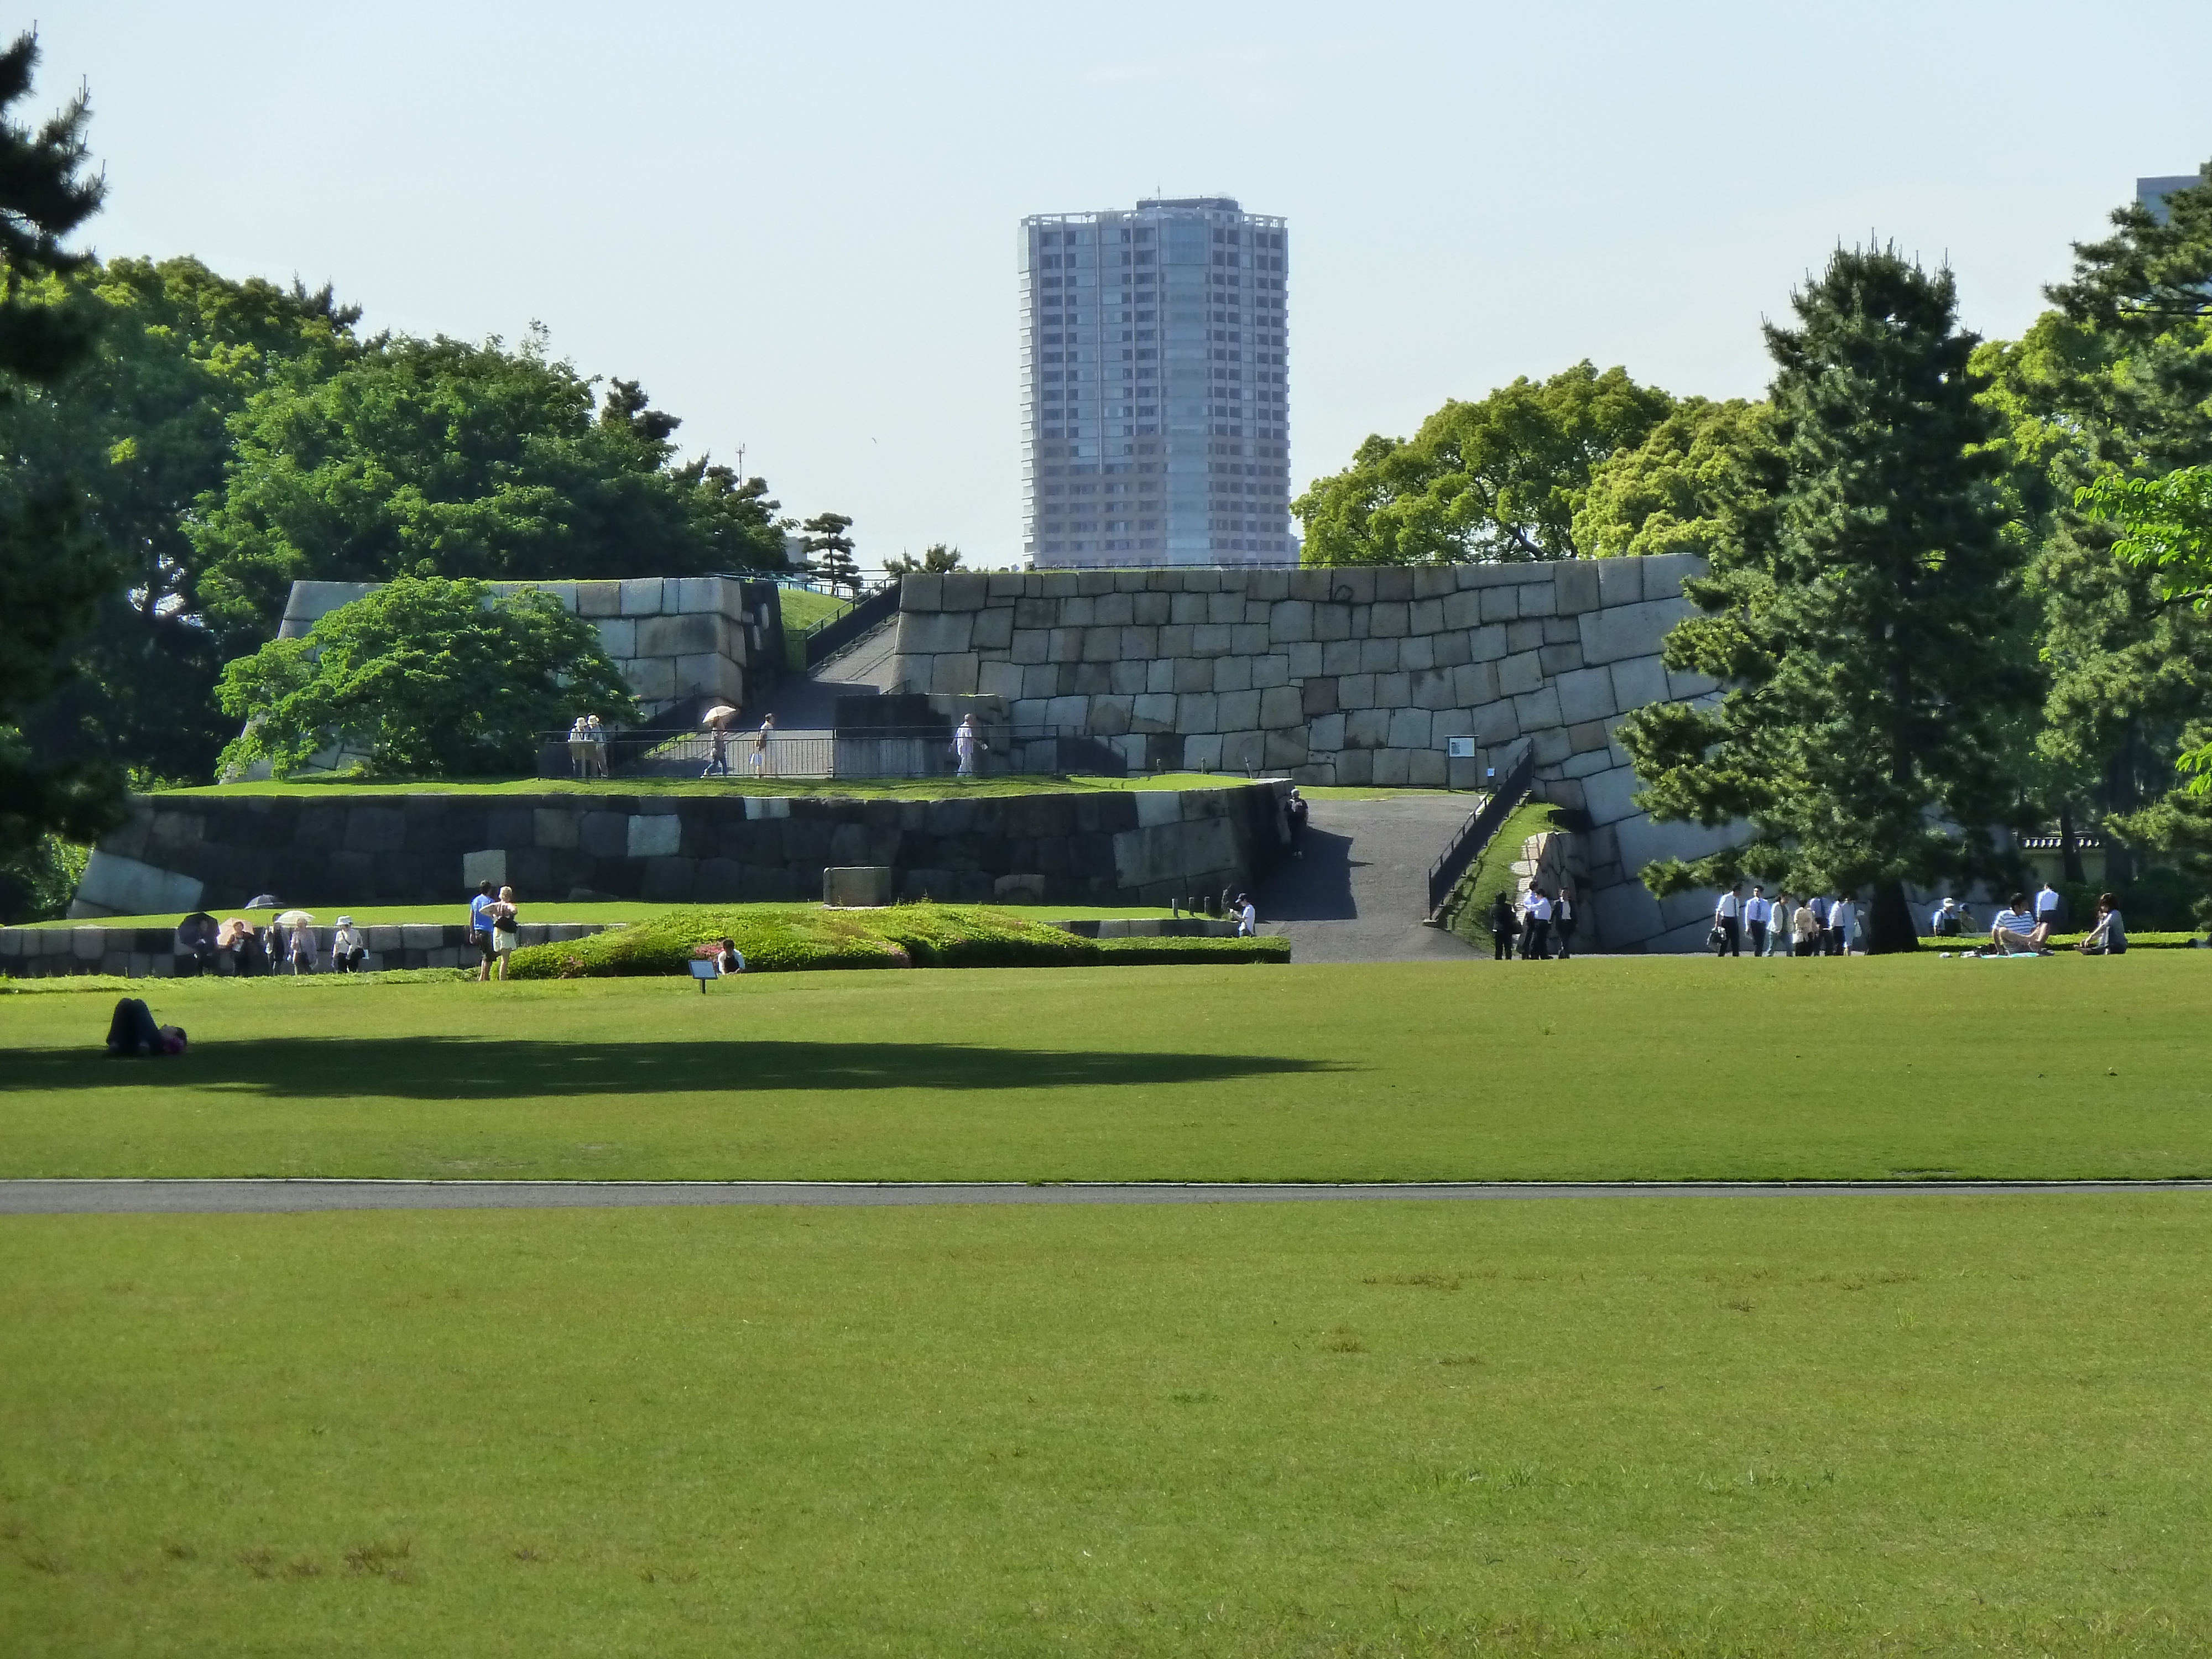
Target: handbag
[(1718, 939)]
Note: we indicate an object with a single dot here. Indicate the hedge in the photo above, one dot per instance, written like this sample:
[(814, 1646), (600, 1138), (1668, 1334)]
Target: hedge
[(800, 938)]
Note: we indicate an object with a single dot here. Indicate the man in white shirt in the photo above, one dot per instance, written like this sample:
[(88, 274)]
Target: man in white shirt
[(2016, 931), (1758, 916), (1563, 921), (1728, 916), (1536, 925)]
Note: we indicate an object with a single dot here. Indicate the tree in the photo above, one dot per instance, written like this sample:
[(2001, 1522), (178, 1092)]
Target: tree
[(936, 559), (831, 551), (1702, 479), (1866, 640), (1490, 482), (435, 456), (2114, 382), (52, 573), (427, 677)]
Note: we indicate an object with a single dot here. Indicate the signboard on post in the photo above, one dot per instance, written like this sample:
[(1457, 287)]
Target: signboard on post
[(1459, 748)]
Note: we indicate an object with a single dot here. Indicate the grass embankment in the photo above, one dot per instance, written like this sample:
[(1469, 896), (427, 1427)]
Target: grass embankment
[(1652, 1426), (1639, 1068), (1492, 873), (792, 937), (803, 611)]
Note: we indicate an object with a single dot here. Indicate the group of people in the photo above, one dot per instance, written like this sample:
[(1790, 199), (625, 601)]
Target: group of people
[(1815, 926), (494, 922), (588, 748), (2023, 930), (257, 950), (1541, 928)]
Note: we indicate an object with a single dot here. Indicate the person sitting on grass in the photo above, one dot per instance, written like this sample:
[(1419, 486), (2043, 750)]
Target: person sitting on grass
[(2109, 938), (2017, 932), (132, 1034), (726, 957)]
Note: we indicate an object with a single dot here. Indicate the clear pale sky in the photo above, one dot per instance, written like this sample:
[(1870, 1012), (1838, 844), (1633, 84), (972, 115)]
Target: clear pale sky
[(796, 224)]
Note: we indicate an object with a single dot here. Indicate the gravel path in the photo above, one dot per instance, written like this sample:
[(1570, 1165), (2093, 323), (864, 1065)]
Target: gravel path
[(1359, 893), (249, 1197)]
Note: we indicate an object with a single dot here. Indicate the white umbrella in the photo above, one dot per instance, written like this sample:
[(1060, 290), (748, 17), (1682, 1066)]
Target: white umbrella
[(295, 919), (719, 713)]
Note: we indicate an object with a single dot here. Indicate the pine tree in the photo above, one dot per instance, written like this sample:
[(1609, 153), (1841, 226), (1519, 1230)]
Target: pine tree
[(1868, 635), (831, 551)]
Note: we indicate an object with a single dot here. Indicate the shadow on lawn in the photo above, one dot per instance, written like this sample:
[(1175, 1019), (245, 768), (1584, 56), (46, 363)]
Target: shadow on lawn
[(459, 1068)]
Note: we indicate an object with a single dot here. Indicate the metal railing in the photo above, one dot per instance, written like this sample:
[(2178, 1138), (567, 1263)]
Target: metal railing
[(827, 638), (915, 751), (1507, 792)]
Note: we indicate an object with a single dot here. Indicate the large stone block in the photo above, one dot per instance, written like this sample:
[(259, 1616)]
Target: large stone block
[(1462, 609), (1115, 609), (1560, 658), (375, 830), (1366, 728), (931, 632), (1638, 682), (1304, 660), (597, 599), (1525, 635), (1500, 605), (1394, 690), (487, 864), (1388, 620), (1239, 711), (651, 836), (1271, 670), (1318, 696), (651, 678), (1487, 643), (1664, 574), (1153, 712), (1029, 646), (1325, 732), (1109, 715), (1433, 690), (1290, 620), (1520, 674), (126, 887), (1620, 632), (963, 590), (1539, 599), (1537, 710), (1332, 622), (1409, 728), (1474, 683), (1495, 723), (1197, 711), (1341, 656), (1390, 769), (642, 596), (1212, 640), (1202, 752), (1585, 693), (954, 676), (993, 628), (1381, 656), (1281, 708), (1153, 609), (1194, 674), (1036, 613), (996, 678), (1355, 691), (1232, 674), (1574, 587), (618, 635)]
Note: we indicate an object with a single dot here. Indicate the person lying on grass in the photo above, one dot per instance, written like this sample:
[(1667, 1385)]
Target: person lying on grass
[(2016, 932), (132, 1034)]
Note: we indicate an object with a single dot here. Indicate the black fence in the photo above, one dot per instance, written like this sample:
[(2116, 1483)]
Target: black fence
[(826, 639), (1507, 792)]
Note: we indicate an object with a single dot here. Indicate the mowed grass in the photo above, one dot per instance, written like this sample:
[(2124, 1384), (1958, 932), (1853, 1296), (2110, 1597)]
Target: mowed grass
[(1658, 1069), (1869, 1425)]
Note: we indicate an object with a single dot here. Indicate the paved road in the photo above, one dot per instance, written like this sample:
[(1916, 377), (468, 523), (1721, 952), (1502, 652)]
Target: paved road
[(222, 1197), (1360, 891)]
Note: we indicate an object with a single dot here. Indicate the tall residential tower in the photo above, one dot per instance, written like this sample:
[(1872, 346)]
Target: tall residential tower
[(1156, 426)]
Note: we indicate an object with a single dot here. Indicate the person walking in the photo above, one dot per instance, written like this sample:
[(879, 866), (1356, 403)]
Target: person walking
[(1818, 905), (965, 743), (1294, 822), (348, 949), (598, 734), (718, 754), (1248, 918), (480, 928), (1758, 913), (1777, 928), (1504, 928), (1728, 922), (1563, 921), (580, 748), (1841, 914), (1806, 929), (757, 763)]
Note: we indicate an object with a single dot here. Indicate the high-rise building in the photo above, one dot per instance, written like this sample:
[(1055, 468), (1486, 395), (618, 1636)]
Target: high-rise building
[(1155, 417), (2153, 193)]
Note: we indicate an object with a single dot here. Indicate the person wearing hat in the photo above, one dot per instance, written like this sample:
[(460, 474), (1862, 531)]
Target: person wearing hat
[(348, 950)]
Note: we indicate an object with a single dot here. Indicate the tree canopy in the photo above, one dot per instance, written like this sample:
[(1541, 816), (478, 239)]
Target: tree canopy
[(1865, 634), (1493, 481), (425, 677)]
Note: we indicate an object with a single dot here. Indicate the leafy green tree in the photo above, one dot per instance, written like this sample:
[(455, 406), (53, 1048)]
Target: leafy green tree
[(426, 677), (432, 456), (936, 559), (830, 551), (1702, 479), (2115, 381), (53, 571), (1495, 481), (1865, 642)]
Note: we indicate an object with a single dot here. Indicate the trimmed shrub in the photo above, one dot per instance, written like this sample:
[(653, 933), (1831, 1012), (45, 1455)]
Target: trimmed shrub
[(800, 938)]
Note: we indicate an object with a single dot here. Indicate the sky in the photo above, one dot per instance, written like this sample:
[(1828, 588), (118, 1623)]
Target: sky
[(796, 225)]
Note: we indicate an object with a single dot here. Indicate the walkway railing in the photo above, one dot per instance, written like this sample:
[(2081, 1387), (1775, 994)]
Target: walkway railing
[(1507, 792), (826, 639), (891, 752)]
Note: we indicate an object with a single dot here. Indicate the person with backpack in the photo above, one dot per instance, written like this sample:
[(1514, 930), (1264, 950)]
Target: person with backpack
[(1504, 927)]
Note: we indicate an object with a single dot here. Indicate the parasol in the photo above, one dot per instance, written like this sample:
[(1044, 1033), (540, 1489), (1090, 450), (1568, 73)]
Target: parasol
[(263, 902), (235, 929), (295, 919), (720, 714), (196, 934)]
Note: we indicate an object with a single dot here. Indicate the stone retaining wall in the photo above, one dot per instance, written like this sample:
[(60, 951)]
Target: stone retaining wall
[(675, 638), (214, 851), (151, 952), (1352, 675)]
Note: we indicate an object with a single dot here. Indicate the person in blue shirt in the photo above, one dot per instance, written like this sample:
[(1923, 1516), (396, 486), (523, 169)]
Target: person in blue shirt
[(480, 928)]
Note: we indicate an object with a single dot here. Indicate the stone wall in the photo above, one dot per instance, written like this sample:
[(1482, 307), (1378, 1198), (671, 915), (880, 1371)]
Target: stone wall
[(1352, 676), (214, 851), (151, 952), (675, 638)]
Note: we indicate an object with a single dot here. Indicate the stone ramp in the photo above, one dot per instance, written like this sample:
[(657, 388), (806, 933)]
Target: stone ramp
[(808, 703), (1361, 891)]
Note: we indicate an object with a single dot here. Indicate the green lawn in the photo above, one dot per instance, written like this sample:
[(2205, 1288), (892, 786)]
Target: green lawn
[(1865, 1425), (803, 611), (1659, 1068), (937, 789)]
